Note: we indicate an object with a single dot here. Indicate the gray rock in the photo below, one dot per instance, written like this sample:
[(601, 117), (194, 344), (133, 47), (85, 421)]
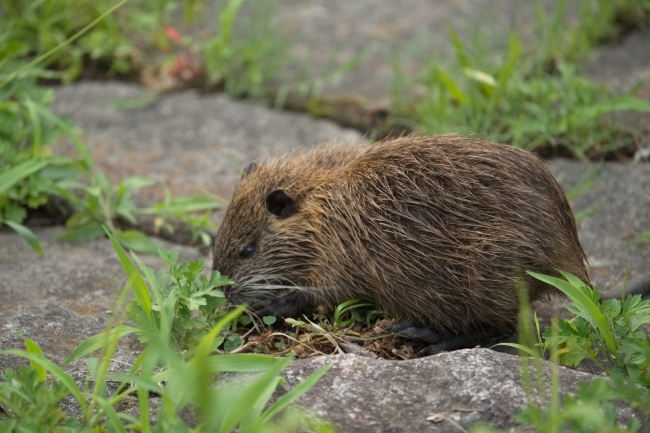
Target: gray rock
[(461, 387), (186, 141), (623, 189), (622, 64)]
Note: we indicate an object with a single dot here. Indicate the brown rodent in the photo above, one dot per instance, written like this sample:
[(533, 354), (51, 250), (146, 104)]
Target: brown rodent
[(436, 230)]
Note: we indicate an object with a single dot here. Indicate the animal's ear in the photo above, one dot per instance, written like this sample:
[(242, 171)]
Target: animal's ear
[(248, 169), (280, 204)]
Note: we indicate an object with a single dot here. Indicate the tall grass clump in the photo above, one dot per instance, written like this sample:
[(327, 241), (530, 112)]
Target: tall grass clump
[(533, 98), (179, 366)]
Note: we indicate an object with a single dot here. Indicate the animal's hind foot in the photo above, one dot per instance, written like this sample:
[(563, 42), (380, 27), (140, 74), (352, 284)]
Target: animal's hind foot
[(417, 332), (455, 342), (439, 342)]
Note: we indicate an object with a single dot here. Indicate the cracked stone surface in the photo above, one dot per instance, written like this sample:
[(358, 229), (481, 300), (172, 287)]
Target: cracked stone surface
[(461, 388)]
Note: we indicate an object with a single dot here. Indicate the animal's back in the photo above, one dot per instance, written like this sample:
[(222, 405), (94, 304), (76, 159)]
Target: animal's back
[(437, 230)]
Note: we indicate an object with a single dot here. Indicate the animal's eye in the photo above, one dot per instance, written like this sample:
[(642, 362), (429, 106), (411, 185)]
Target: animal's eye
[(247, 251)]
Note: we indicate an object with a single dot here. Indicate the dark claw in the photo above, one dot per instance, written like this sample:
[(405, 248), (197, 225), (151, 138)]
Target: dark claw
[(439, 341), (455, 342), (412, 330)]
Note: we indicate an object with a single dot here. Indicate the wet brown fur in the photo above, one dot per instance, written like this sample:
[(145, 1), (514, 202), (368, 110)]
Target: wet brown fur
[(433, 229)]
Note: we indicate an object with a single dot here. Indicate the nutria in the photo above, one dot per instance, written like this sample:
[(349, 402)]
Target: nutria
[(436, 230)]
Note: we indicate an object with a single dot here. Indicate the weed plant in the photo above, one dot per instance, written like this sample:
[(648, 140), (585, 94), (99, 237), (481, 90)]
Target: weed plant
[(31, 172), (612, 329), (29, 169), (246, 58), (530, 100), (608, 333), (187, 209), (114, 43), (177, 365)]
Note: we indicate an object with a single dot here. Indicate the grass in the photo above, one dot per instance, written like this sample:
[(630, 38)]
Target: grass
[(242, 56), (31, 172), (177, 365), (32, 29), (29, 169), (608, 333), (532, 99), (65, 36)]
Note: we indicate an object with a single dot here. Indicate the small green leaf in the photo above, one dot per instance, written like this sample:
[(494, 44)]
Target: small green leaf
[(170, 257), (34, 348), (137, 182), (98, 341), (136, 281), (26, 234), (523, 348), (14, 175), (92, 231), (269, 320), (577, 350), (480, 76), (282, 402)]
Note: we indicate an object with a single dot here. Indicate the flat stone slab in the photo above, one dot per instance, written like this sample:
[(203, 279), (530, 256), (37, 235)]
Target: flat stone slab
[(623, 189), (186, 141), (459, 388)]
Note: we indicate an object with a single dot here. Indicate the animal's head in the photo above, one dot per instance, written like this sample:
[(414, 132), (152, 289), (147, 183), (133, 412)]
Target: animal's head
[(264, 243)]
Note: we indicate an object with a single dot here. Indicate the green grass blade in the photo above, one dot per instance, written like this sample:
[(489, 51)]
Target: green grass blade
[(137, 241), (585, 182), (192, 203), (166, 305), (146, 383), (114, 421), (57, 371), (205, 345), (82, 233), (136, 281), (623, 103), (459, 48), (284, 401), (37, 130), (70, 132), (98, 341), (26, 234), (582, 301), (14, 175), (589, 211), (62, 45), (250, 396), (523, 348), (239, 362)]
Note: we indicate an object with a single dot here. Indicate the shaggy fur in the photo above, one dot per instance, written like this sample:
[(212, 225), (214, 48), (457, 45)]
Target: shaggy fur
[(433, 229)]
